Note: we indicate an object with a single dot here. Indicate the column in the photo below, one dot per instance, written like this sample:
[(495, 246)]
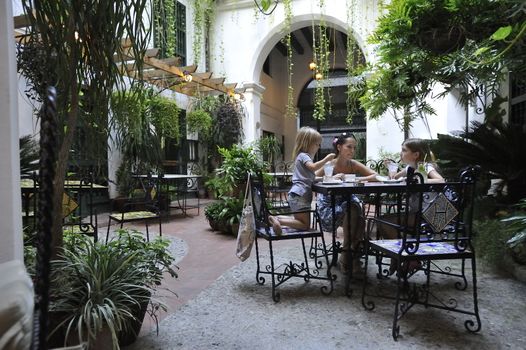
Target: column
[(252, 124), (11, 238)]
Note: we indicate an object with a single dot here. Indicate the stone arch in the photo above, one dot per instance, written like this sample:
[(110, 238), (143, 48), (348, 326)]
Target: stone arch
[(276, 34)]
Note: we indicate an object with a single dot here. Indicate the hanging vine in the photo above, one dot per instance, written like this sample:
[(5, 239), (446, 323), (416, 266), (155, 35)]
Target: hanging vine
[(354, 65), (203, 18), (291, 111), (164, 19), (321, 57)]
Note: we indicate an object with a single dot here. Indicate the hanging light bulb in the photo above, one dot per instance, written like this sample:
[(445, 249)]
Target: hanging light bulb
[(187, 76), (318, 76), (313, 66)]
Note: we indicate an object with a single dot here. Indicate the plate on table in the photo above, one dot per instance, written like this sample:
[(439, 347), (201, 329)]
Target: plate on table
[(387, 180), (332, 182)]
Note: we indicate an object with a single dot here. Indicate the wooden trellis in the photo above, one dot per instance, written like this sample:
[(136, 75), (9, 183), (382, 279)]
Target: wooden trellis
[(164, 73)]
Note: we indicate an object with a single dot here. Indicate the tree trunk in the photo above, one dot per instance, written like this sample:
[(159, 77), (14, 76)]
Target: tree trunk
[(63, 154)]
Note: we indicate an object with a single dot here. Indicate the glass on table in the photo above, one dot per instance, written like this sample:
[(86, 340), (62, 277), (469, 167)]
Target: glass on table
[(328, 169), (392, 169)]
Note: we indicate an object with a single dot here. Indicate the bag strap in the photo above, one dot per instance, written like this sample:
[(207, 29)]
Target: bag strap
[(247, 189)]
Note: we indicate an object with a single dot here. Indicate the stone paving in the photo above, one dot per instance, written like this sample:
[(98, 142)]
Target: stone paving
[(220, 306)]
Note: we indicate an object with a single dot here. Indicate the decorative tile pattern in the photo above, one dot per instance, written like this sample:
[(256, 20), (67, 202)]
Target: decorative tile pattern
[(439, 213), (424, 248)]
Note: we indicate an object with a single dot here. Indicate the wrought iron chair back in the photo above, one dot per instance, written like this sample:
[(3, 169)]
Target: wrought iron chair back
[(280, 185), (79, 213), (264, 230), (144, 207), (434, 223)]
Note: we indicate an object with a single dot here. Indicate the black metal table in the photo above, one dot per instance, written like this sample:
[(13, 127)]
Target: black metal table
[(348, 189)]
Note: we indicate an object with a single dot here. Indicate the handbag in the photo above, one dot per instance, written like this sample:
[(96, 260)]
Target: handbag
[(247, 226)]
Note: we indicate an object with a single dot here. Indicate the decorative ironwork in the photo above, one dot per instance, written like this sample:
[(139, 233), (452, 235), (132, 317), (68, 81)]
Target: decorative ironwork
[(436, 225), (283, 272)]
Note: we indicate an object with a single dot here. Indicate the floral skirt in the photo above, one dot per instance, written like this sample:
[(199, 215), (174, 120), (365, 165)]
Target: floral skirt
[(324, 207)]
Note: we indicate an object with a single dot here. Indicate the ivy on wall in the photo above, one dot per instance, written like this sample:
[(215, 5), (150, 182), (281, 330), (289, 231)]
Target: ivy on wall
[(204, 12), (164, 25)]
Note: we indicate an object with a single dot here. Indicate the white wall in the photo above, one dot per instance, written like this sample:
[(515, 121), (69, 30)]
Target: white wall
[(243, 39), (10, 215)]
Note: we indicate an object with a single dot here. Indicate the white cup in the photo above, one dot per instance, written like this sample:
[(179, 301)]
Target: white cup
[(350, 177), (392, 168), (328, 169)]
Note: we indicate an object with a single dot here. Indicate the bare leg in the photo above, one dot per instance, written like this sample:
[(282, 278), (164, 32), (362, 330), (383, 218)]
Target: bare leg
[(352, 239), (300, 221)]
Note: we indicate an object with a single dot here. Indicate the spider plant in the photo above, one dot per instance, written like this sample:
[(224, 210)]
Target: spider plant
[(98, 287)]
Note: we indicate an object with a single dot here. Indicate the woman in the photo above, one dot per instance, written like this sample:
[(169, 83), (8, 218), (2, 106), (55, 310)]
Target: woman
[(345, 148)]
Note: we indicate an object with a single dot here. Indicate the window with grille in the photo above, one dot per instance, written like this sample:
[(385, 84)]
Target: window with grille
[(170, 29)]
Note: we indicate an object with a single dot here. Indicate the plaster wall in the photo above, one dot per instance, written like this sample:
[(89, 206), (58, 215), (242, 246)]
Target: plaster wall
[(11, 232), (242, 39)]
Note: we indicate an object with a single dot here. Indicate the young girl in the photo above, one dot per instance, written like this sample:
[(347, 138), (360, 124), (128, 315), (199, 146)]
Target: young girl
[(345, 147), (414, 151), (308, 142)]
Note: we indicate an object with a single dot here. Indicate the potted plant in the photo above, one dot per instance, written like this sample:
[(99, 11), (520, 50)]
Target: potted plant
[(100, 289), (270, 149), (237, 162)]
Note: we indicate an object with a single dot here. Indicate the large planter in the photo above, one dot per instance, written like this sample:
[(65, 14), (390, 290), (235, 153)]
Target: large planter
[(129, 336)]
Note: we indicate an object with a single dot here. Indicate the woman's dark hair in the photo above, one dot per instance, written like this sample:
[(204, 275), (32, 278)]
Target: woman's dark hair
[(340, 140)]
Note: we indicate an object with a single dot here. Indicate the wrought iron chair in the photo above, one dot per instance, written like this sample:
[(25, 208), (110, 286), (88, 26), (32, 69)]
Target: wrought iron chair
[(78, 208), (280, 186), (189, 188), (282, 273), (434, 223), (29, 187), (145, 208)]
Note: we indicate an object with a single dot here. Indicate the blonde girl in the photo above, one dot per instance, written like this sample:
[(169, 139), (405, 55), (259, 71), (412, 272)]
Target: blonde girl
[(308, 142)]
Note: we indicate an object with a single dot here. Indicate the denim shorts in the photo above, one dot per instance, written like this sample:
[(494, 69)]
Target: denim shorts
[(298, 203)]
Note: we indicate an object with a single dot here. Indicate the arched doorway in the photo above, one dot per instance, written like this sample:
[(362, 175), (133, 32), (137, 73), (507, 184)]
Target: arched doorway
[(274, 79), (336, 120)]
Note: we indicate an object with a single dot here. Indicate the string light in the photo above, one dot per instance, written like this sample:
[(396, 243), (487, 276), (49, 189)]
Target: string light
[(187, 76)]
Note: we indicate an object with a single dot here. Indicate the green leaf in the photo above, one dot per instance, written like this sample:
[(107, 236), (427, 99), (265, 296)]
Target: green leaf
[(265, 4), (481, 50), (501, 33)]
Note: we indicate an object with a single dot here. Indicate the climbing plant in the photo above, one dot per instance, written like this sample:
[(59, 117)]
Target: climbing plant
[(203, 18), (164, 19), (354, 63), (462, 44), (79, 49)]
